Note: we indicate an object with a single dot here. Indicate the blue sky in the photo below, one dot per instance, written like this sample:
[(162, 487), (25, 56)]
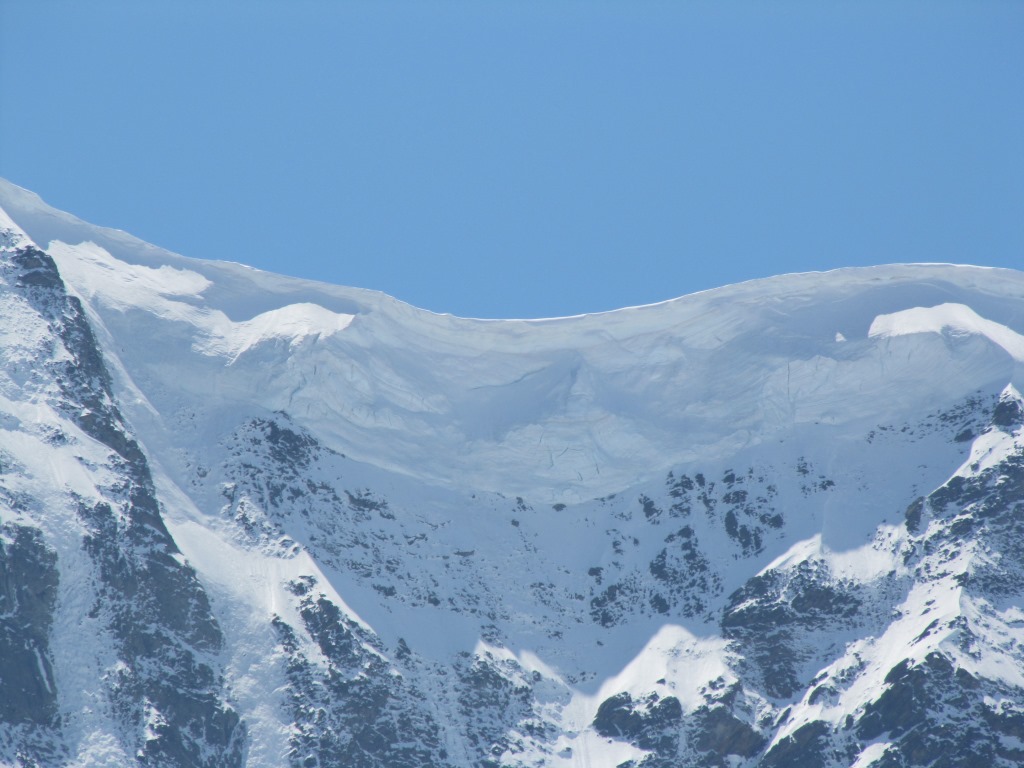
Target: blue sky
[(521, 159)]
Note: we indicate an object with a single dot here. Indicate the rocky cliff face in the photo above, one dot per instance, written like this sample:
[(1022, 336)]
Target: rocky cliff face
[(134, 621), (246, 520)]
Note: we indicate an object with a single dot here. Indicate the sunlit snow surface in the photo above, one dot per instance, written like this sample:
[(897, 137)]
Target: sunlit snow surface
[(516, 459), (950, 319), (563, 409)]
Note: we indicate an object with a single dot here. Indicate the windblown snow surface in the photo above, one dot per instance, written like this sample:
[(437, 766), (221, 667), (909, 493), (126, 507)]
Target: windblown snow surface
[(779, 523)]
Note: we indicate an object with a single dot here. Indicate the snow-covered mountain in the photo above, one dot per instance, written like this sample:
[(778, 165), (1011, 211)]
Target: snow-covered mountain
[(253, 520)]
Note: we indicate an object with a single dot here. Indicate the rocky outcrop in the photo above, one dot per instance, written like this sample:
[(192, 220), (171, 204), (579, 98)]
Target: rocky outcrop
[(350, 706), (161, 687)]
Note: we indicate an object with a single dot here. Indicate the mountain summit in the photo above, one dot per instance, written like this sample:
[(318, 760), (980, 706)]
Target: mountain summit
[(251, 520)]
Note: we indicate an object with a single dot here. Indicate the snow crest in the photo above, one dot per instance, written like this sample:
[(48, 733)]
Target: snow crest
[(952, 318)]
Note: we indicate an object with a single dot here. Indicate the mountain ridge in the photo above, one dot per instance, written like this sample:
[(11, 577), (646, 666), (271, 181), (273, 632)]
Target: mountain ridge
[(775, 524), (42, 223)]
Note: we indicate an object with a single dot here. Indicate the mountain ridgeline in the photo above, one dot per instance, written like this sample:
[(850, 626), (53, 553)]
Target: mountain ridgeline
[(249, 520)]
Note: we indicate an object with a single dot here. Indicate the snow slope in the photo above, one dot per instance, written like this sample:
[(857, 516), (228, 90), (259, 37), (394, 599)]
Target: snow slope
[(572, 408), (717, 530)]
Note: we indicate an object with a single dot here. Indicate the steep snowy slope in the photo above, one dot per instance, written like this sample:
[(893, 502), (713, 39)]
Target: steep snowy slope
[(108, 645), (778, 523)]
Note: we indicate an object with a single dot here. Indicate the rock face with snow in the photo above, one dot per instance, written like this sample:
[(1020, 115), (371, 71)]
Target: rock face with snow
[(257, 521)]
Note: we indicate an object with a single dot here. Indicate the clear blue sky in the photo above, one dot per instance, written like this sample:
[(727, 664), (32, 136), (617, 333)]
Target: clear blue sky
[(527, 159)]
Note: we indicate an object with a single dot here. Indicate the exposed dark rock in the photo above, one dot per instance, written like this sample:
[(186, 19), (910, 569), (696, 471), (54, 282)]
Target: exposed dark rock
[(497, 700), (913, 515), (1008, 413), (774, 615), (30, 725), (651, 724), (356, 713), (806, 747), (82, 376), (651, 511), (28, 593), (720, 733), (965, 435), (684, 574), (933, 714)]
